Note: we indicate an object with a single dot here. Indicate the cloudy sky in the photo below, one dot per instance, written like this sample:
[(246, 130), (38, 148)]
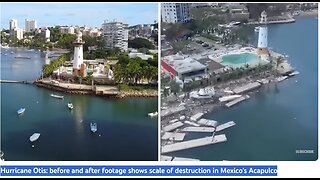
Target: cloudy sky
[(89, 14)]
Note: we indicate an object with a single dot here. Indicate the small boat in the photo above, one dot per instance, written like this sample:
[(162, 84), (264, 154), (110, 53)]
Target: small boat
[(153, 114), (70, 105), (279, 79), (34, 137), (294, 73), (93, 127), (256, 29), (21, 110), (56, 96)]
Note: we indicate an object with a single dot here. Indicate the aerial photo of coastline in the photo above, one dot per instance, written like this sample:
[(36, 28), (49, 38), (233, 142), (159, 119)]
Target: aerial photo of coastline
[(79, 81), (239, 82)]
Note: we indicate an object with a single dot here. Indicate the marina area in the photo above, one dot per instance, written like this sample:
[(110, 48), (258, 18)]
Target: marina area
[(267, 108)]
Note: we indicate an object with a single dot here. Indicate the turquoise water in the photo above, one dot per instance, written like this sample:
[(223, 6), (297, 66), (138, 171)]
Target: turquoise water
[(125, 132), (279, 119), (239, 58)]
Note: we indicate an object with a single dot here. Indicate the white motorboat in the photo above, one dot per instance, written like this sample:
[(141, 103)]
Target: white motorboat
[(70, 105), (21, 110), (203, 93), (56, 96), (256, 29), (229, 98), (154, 114), (93, 127), (34, 137)]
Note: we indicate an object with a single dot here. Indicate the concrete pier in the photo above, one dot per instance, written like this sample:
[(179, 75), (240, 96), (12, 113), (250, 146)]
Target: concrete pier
[(13, 81), (225, 126), (173, 136), (242, 98), (184, 159), (196, 116), (193, 143), (191, 123), (246, 88), (208, 122), (171, 111), (198, 129), (173, 126)]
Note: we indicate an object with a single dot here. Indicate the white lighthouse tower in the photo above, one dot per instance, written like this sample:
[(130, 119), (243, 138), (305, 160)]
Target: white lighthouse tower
[(78, 66), (262, 49)]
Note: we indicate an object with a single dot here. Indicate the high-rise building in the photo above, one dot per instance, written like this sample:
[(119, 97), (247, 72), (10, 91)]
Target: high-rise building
[(115, 34), (30, 25), (45, 33), (13, 24), (175, 12), (18, 33)]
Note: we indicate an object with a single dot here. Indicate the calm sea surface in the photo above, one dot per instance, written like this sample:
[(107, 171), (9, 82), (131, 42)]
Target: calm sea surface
[(125, 132)]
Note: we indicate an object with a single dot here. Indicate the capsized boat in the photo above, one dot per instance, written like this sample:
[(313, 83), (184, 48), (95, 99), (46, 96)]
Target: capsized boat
[(34, 137), (203, 93), (56, 96), (21, 110), (94, 127)]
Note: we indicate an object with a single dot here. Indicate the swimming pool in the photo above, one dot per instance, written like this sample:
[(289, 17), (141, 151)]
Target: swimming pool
[(239, 59)]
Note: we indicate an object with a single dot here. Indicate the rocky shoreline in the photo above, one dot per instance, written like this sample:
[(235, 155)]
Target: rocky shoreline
[(138, 94)]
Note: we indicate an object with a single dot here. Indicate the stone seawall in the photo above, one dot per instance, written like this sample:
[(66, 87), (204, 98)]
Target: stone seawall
[(61, 89), (122, 94)]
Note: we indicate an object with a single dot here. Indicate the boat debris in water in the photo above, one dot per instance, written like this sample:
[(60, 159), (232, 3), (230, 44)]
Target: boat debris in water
[(281, 78), (1, 156), (34, 137), (294, 73), (56, 96), (21, 111), (93, 127)]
